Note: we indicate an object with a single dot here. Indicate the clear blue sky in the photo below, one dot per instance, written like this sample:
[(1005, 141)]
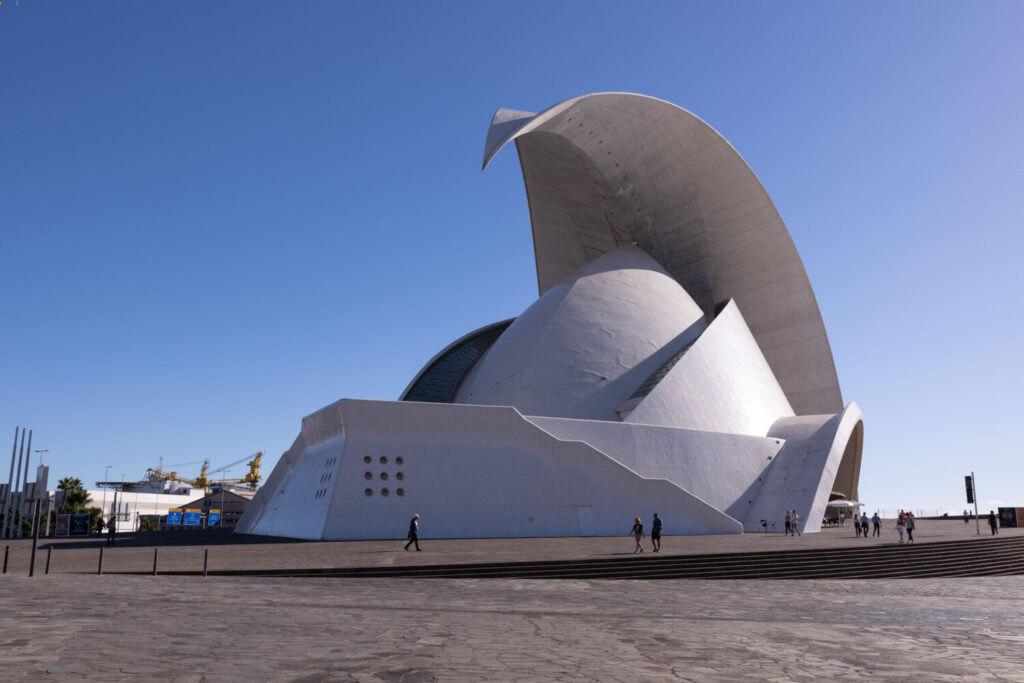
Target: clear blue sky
[(216, 218)]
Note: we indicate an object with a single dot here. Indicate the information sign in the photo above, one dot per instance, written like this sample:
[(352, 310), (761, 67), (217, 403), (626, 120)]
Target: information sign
[(193, 517), (213, 519), (174, 517), (63, 525), (79, 525)]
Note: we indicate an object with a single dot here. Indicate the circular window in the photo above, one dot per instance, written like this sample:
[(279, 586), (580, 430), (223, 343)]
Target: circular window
[(398, 460), (399, 476), (383, 476), (367, 459), (400, 492), (383, 492), (383, 460), (367, 475), (368, 492)]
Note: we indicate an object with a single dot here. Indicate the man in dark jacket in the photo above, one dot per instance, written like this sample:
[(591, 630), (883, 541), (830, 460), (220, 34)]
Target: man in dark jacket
[(414, 532), (992, 522)]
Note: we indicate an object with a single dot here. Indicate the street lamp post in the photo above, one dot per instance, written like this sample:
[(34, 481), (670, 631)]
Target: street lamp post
[(106, 478)]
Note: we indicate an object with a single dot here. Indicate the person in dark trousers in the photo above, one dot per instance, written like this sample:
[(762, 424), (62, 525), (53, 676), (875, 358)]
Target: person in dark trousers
[(414, 532), (876, 523), (992, 522), (967, 516), (911, 525), (111, 529), (864, 524), (789, 523), (99, 527), (656, 533)]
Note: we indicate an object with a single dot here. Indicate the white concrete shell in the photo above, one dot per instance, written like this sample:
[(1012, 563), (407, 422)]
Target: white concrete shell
[(586, 345), (675, 362), (612, 169)]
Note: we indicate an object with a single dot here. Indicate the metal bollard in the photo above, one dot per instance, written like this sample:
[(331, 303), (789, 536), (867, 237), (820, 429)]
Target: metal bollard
[(206, 560), (49, 552), (7, 552), (99, 570), (156, 554)]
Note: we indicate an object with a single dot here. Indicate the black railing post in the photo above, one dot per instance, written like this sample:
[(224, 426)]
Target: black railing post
[(99, 570), (156, 554), (206, 560), (49, 552)]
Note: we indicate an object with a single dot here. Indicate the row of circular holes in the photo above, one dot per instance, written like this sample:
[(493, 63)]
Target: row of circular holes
[(384, 492), (383, 460)]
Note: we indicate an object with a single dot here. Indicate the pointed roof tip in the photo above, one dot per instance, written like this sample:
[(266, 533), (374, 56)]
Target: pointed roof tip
[(504, 125)]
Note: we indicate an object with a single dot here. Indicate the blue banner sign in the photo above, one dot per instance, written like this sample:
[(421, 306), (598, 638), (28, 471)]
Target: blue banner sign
[(173, 517), (193, 517), (213, 519)]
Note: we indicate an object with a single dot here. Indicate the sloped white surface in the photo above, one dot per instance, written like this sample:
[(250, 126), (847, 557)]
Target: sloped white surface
[(721, 384), (589, 342)]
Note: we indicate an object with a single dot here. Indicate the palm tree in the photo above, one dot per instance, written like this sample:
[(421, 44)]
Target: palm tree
[(73, 492)]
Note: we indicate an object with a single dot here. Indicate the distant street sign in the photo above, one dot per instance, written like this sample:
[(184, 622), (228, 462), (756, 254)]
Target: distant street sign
[(969, 483), (79, 525), (174, 517), (193, 517), (213, 518)]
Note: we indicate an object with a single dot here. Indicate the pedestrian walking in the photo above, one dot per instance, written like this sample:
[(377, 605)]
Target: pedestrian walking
[(796, 523), (99, 527), (414, 532), (856, 524), (656, 526), (111, 529), (967, 516), (876, 523), (864, 524), (789, 522), (901, 525), (638, 534), (911, 525), (992, 522)]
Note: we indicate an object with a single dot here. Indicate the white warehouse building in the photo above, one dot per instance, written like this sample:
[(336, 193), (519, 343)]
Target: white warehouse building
[(675, 362)]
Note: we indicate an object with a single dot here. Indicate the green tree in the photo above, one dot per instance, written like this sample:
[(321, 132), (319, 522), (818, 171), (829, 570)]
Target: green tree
[(75, 497)]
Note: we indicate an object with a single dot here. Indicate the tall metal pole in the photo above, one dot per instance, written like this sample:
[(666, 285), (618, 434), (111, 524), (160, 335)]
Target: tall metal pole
[(977, 523), (17, 479), (24, 482), (10, 483), (106, 476)]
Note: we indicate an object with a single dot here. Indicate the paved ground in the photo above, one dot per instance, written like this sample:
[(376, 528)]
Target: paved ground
[(180, 551), (114, 628), (67, 626)]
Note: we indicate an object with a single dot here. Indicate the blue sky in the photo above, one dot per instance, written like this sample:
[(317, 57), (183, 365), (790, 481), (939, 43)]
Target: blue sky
[(216, 218)]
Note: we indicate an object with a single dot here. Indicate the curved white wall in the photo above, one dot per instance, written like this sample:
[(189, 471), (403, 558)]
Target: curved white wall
[(608, 169), (588, 343), (721, 384)]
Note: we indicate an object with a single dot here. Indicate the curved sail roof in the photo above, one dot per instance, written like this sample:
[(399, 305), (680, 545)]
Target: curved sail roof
[(612, 169)]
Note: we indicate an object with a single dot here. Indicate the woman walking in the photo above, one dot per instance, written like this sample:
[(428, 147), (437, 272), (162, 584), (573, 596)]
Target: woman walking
[(901, 524), (910, 524), (638, 534)]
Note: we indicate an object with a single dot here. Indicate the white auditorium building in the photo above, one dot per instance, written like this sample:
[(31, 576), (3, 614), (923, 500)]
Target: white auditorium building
[(675, 362)]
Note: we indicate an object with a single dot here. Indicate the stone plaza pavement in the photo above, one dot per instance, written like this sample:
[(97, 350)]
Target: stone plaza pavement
[(67, 627), (114, 628)]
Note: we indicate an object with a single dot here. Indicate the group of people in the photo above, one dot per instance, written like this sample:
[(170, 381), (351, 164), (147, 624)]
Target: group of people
[(905, 523), (862, 523), (993, 521), (638, 534), (792, 523)]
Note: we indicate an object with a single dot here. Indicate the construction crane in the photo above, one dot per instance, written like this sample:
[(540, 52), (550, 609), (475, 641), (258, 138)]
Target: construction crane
[(158, 474), (252, 479)]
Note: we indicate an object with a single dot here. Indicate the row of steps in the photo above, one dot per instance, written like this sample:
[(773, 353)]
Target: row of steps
[(976, 557)]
